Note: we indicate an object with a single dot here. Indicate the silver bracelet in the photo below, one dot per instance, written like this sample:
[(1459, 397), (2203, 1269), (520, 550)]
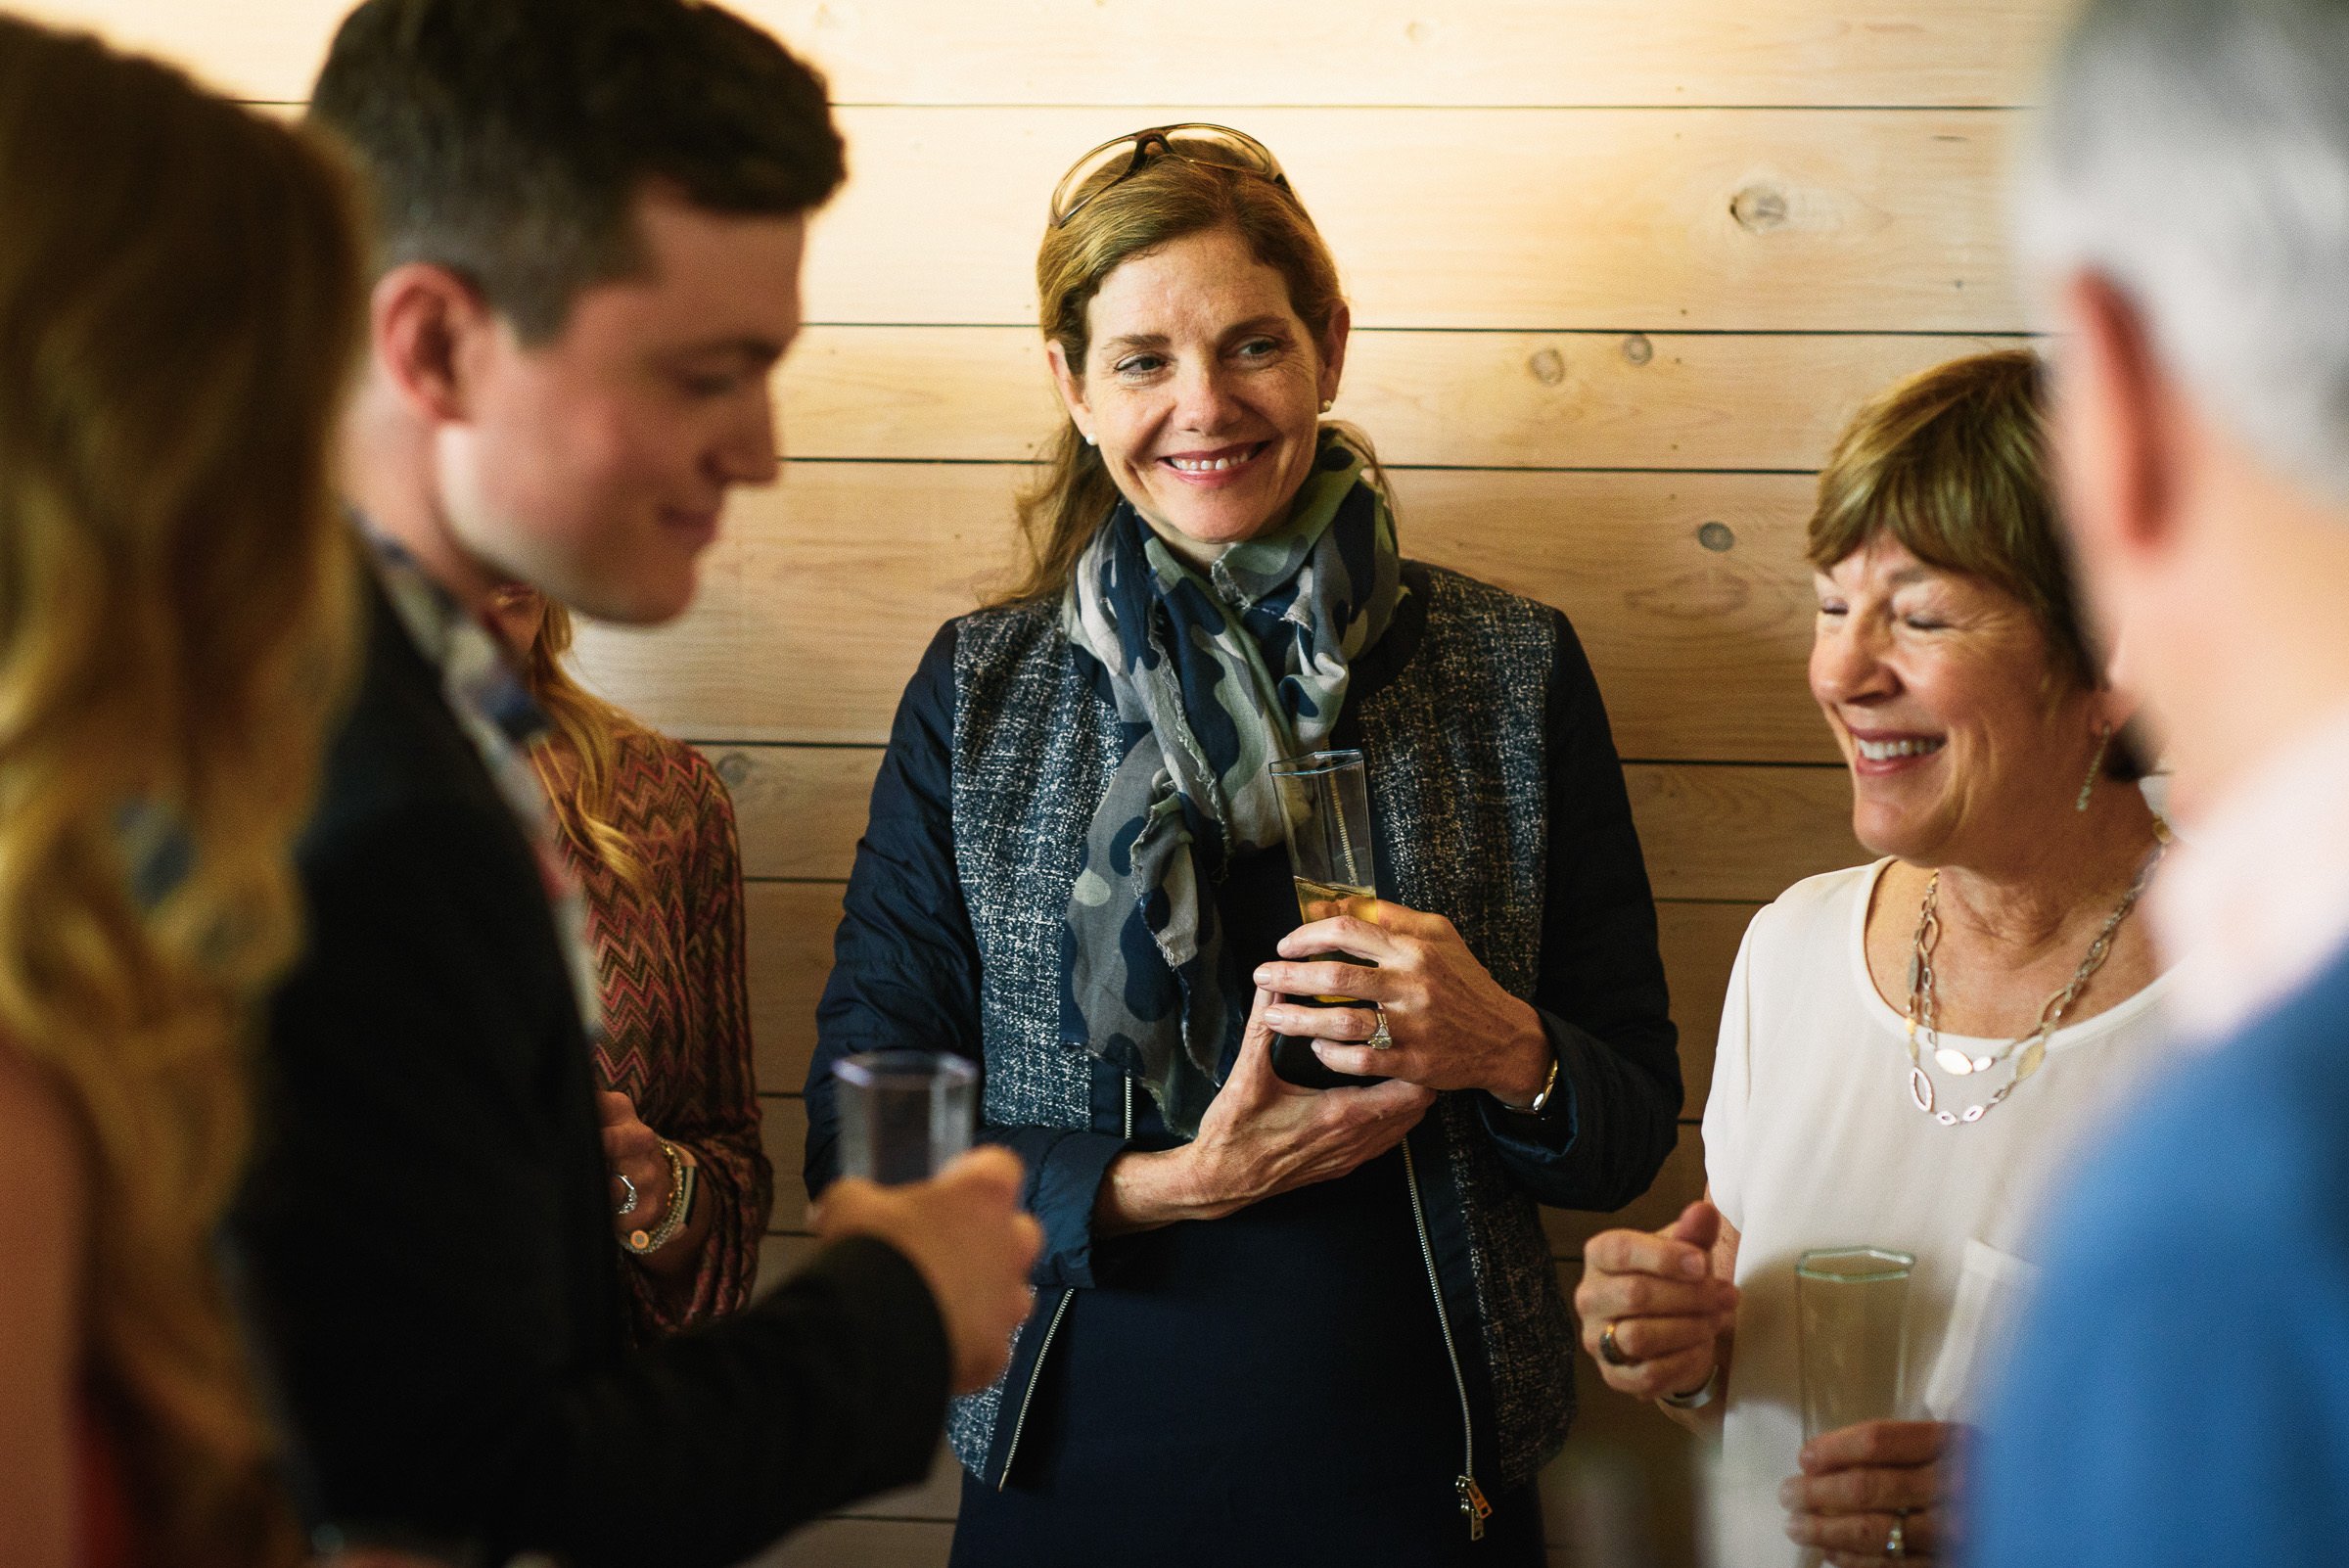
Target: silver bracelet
[(1697, 1398)]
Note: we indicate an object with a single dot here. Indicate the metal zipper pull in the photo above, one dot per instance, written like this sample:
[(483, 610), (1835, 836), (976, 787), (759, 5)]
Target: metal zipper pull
[(1473, 1506)]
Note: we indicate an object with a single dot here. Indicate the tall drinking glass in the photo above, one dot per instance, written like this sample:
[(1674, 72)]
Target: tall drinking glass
[(1851, 1316), (904, 1114), (1325, 805)]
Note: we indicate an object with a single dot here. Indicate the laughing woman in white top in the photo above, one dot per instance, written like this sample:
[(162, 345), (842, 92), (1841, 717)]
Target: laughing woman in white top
[(1905, 1042)]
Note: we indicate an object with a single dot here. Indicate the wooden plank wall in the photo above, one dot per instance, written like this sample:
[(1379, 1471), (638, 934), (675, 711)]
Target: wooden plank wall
[(1620, 269)]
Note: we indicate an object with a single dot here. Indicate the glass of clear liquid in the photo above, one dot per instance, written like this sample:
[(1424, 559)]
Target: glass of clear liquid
[(1850, 1323), (1325, 803), (904, 1114)]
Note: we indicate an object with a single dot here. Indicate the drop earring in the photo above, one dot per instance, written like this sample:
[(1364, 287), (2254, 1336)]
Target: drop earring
[(1327, 403), (2096, 765)]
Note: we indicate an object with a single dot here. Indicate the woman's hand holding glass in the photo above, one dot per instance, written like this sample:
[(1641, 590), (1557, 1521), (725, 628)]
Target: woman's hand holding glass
[(1260, 1136), (1657, 1292), (1452, 1025), (1859, 1482)]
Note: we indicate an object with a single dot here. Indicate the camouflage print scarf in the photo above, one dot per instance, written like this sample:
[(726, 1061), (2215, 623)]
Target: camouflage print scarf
[(1215, 676)]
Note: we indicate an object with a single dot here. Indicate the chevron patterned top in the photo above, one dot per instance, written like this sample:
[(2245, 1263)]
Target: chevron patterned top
[(676, 1013)]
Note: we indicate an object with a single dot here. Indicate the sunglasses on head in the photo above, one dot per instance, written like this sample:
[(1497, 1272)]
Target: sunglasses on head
[(1120, 158)]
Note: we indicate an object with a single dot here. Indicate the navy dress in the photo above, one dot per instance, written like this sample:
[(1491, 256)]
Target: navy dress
[(1281, 1381), (1274, 1386)]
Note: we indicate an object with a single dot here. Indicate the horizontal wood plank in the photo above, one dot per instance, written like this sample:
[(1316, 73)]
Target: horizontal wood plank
[(1456, 399), (1679, 1183), (1653, 219), (1699, 943), (864, 1544), (800, 810), (1138, 51), (791, 926), (1689, 591), (1742, 833), (783, 1135)]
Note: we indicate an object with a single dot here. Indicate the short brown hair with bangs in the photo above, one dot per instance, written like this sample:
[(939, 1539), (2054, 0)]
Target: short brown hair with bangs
[(1953, 464)]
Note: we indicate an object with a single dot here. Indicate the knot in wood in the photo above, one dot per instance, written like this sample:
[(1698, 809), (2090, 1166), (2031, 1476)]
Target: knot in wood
[(734, 770), (1637, 350), (1549, 366), (1715, 536), (1758, 207)]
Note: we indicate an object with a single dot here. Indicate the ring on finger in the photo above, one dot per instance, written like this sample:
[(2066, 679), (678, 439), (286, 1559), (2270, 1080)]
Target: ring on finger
[(1610, 1352), (1380, 1039), (1896, 1542)]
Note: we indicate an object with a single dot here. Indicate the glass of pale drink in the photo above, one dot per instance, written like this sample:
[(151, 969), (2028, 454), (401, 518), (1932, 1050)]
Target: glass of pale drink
[(1851, 1324), (1326, 805)]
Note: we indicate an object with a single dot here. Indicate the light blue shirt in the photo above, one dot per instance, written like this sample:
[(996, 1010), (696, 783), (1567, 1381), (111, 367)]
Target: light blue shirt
[(2180, 1394)]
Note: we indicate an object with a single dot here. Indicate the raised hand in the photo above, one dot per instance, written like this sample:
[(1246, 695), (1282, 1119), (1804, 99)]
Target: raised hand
[(1657, 1292)]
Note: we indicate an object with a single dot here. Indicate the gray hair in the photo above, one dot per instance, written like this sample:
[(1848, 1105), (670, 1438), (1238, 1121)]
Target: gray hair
[(2195, 152)]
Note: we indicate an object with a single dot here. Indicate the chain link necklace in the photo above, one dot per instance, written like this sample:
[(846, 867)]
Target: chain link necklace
[(2034, 1045)]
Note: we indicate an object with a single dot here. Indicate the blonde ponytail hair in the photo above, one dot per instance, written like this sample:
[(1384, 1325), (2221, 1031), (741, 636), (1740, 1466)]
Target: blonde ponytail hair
[(587, 799)]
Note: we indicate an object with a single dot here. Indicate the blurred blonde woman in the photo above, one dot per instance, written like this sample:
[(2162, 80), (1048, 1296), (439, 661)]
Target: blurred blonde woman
[(648, 829), (180, 292)]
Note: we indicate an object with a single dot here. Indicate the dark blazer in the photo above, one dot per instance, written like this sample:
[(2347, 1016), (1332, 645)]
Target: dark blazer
[(425, 1246)]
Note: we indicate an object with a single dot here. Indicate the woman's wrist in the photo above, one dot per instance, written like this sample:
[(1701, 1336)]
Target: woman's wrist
[(1529, 1058), (1697, 1398), (1146, 1188), (680, 1255)]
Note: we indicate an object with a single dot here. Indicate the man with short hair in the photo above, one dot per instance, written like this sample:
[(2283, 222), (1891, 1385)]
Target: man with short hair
[(2181, 1388), (591, 220)]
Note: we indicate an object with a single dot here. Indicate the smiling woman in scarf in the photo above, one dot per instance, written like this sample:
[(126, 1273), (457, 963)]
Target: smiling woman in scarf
[(1273, 1324)]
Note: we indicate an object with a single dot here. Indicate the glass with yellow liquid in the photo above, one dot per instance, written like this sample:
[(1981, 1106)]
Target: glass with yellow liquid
[(1325, 803)]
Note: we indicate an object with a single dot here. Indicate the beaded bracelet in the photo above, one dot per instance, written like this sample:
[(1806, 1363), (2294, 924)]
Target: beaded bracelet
[(680, 1203)]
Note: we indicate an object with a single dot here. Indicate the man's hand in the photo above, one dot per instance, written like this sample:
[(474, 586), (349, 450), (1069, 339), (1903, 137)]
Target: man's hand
[(964, 1231)]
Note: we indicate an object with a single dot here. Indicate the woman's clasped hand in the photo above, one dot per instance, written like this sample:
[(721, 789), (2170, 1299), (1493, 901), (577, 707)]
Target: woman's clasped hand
[(1260, 1136), (1452, 1024)]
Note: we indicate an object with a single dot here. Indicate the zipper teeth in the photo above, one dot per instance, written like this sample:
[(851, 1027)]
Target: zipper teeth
[(1035, 1373), (1435, 1284)]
